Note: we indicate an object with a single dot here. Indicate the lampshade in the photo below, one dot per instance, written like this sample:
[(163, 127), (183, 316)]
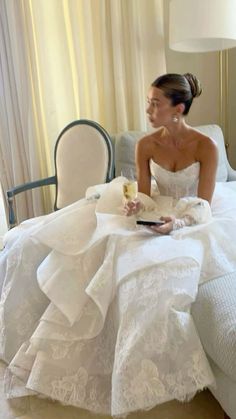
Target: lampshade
[(202, 25)]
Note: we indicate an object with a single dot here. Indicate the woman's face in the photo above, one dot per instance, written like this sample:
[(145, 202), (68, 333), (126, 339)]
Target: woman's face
[(160, 110)]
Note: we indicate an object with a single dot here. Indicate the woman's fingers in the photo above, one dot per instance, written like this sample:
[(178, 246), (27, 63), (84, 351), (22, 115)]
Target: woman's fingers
[(167, 219), (165, 228), (132, 207)]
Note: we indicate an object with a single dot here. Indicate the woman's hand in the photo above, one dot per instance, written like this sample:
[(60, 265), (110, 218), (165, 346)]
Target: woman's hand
[(164, 228), (132, 207)]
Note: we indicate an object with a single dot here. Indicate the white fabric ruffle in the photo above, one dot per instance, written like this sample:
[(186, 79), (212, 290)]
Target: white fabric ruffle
[(95, 311)]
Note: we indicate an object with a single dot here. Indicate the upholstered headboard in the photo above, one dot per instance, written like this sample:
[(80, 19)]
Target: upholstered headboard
[(125, 142)]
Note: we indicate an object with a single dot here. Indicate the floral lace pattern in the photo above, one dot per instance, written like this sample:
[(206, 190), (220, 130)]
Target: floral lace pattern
[(71, 389), (104, 323)]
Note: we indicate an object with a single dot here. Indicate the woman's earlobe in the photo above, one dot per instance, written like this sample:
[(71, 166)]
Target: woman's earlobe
[(180, 108)]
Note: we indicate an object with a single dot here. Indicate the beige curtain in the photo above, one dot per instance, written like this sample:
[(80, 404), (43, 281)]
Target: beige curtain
[(75, 59), (18, 149)]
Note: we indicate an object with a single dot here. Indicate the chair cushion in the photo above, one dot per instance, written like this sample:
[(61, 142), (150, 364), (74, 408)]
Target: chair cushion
[(125, 150), (214, 313), (81, 161)]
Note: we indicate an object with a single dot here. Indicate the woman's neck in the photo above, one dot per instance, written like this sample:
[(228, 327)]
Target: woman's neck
[(176, 133)]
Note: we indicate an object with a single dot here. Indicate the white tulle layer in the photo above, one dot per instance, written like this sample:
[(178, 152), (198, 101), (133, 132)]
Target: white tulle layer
[(96, 312)]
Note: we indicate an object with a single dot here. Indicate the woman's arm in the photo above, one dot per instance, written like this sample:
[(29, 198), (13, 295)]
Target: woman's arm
[(208, 157), (142, 157)]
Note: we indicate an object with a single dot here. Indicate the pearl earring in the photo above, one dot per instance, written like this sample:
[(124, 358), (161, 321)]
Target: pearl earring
[(175, 119)]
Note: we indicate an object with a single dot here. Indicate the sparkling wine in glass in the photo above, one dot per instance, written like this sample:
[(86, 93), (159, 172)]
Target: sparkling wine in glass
[(130, 185)]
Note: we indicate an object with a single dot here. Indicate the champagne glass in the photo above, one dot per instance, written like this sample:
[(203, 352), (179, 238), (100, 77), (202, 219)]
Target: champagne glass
[(130, 184)]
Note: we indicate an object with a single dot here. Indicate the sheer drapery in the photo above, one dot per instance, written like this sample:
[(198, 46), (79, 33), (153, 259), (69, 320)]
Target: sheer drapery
[(67, 59), (19, 160)]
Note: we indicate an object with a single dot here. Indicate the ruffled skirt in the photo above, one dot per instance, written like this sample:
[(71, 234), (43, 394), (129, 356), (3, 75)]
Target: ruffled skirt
[(95, 312)]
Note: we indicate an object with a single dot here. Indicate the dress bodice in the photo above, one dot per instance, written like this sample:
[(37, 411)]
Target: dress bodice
[(176, 184)]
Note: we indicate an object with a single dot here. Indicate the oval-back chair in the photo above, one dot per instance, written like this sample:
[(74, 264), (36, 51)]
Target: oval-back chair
[(83, 157)]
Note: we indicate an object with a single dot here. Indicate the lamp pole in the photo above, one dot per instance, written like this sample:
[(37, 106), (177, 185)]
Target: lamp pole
[(224, 94)]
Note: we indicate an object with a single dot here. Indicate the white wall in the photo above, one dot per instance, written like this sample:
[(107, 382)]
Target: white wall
[(206, 108)]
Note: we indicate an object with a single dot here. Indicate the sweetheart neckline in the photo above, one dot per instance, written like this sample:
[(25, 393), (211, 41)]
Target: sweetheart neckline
[(177, 171)]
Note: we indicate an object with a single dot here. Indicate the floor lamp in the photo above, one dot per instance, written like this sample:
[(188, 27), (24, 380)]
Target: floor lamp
[(203, 26)]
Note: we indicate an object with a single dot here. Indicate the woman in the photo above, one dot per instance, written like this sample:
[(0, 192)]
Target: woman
[(175, 147), (95, 312)]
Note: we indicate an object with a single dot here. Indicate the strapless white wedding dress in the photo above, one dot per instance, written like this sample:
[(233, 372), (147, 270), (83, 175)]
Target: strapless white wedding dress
[(95, 312)]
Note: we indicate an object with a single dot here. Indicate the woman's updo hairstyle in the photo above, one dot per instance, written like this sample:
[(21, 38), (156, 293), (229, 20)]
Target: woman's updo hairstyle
[(179, 88)]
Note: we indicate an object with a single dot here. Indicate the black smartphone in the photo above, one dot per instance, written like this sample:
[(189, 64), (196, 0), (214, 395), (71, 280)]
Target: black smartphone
[(150, 223)]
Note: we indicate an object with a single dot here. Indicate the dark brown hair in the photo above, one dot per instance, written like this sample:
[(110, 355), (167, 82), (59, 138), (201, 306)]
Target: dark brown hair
[(179, 88)]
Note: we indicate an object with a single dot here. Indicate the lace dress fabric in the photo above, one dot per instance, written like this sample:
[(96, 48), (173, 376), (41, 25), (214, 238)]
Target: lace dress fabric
[(175, 183), (95, 312)]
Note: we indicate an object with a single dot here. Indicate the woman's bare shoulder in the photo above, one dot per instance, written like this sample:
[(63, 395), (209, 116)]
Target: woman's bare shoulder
[(150, 139), (206, 146), (204, 140)]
